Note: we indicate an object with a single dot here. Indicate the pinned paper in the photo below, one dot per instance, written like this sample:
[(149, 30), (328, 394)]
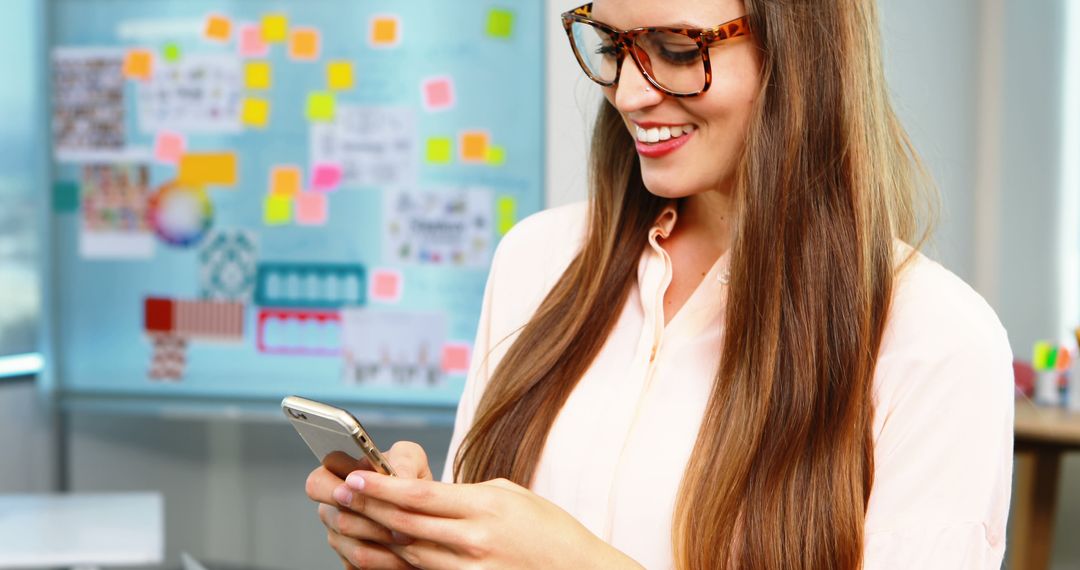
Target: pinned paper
[(257, 75), (228, 259), (500, 23), (376, 146), (218, 168), (311, 209), (65, 197), (285, 180), (170, 52), (275, 28), (299, 332), (505, 214), (339, 75), (438, 93), (326, 177), (385, 286), (440, 150), (251, 41), (496, 155), (314, 285), (385, 31), (199, 94), (320, 106), (474, 146), (455, 358), (394, 349), (169, 147), (255, 112), (304, 44), (218, 28), (277, 210), (139, 64)]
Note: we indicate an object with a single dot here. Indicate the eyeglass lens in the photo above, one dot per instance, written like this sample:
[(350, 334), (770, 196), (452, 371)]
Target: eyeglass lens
[(672, 60)]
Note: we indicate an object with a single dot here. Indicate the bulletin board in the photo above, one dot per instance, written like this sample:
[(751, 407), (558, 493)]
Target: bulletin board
[(259, 198)]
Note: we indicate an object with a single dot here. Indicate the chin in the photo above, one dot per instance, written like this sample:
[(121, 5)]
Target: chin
[(669, 187)]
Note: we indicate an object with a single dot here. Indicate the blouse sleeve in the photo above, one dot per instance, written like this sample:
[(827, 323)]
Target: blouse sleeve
[(943, 455)]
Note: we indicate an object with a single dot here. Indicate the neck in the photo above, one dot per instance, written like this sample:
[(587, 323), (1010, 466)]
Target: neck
[(708, 218)]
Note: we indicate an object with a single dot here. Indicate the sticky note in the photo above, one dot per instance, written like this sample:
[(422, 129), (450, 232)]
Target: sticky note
[(385, 31), (320, 106), (496, 155), (440, 150), (255, 112), (385, 285), (257, 75), (251, 42), (65, 197), (311, 209), (198, 169), (171, 52), (275, 28), (138, 64), (500, 23), (218, 28), (437, 93), (505, 214), (285, 180), (455, 357), (158, 314), (169, 147), (474, 146), (1042, 358), (325, 177), (277, 210), (304, 44), (339, 75)]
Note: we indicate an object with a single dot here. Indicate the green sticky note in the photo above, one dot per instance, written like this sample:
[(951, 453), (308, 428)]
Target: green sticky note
[(1042, 359), (506, 214), (496, 155), (440, 150), (65, 197), (320, 106), (171, 52), (500, 23), (277, 210)]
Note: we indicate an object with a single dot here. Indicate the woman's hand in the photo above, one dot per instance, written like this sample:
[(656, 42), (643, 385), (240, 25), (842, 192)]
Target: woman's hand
[(358, 540), (496, 524)]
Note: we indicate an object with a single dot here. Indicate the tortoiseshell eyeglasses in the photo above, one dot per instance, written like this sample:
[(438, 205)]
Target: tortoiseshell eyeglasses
[(673, 60)]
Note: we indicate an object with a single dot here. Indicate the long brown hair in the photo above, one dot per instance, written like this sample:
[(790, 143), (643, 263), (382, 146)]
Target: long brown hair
[(782, 468)]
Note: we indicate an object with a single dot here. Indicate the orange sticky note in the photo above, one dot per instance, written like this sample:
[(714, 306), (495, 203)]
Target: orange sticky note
[(285, 180), (339, 75), (385, 31), (474, 146), (277, 210), (138, 64), (218, 28), (304, 44), (202, 168), (275, 28), (257, 75), (255, 112), (311, 209)]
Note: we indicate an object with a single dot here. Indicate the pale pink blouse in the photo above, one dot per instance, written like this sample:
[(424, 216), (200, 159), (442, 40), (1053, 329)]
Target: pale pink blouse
[(616, 453)]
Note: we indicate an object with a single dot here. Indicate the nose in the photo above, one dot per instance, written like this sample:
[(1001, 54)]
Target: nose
[(634, 92)]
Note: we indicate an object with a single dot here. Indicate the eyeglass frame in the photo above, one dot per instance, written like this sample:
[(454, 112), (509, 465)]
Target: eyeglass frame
[(705, 38)]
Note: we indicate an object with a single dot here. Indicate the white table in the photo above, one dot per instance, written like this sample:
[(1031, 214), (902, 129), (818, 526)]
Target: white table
[(81, 530)]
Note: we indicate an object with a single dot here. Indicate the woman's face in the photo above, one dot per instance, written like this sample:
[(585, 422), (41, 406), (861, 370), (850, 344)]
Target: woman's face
[(717, 119)]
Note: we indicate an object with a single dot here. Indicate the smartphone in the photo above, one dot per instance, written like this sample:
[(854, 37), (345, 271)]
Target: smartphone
[(334, 435)]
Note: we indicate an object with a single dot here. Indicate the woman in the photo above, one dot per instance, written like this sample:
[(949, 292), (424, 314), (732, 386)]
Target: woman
[(729, 357)]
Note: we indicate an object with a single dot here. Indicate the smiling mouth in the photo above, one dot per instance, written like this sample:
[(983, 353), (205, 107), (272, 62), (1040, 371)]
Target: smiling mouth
[(660, 134)]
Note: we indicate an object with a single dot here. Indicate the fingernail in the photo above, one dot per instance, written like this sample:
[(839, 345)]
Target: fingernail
[(401, 538), (355, 480), (343, 495)]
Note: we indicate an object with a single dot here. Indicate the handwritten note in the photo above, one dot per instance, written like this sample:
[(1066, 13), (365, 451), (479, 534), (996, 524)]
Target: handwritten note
[(375, 146)]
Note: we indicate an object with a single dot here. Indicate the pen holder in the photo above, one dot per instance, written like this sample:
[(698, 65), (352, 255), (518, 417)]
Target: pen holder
[(1046, 388)]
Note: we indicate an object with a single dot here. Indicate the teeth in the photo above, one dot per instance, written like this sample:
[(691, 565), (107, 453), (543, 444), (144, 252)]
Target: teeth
[(654, 135), (657, 134), (676, 131), (642, 135)]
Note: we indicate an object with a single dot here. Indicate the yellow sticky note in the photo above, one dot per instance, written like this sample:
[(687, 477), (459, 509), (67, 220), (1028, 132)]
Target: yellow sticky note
[(304, 44), (385, 31), (255, 112), (202, 168), (320, 106), (440, 150), (257, 75), (285, 180), (496, 155), (218, 28), (505, 214), (339, 75), (474, 146), (138, 64), (277, 210), (275, 28)]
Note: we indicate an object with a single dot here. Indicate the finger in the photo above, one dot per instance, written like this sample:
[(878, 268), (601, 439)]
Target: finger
[(320, 485), (428, 497), (407, 526), (365, 554), (352, 525), (430, 556), (409, 460)]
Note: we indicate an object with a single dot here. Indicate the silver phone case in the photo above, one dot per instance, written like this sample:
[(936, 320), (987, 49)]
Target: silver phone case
[(327, 429)]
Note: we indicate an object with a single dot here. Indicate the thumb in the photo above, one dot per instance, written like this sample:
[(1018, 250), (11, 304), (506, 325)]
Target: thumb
[(409, 460)]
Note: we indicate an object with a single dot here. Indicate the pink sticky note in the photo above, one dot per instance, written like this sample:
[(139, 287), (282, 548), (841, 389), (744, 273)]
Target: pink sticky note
[(438, 93), (311, 209), (169, 147), (326, 177), (386, 285), (251, 41), (455, 358)]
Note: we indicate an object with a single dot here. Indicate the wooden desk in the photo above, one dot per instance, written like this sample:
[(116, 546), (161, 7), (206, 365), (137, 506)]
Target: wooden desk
[(1042, 436)]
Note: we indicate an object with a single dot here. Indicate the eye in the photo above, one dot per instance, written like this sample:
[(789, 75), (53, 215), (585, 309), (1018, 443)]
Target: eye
[(607, 50), (679, 54)]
